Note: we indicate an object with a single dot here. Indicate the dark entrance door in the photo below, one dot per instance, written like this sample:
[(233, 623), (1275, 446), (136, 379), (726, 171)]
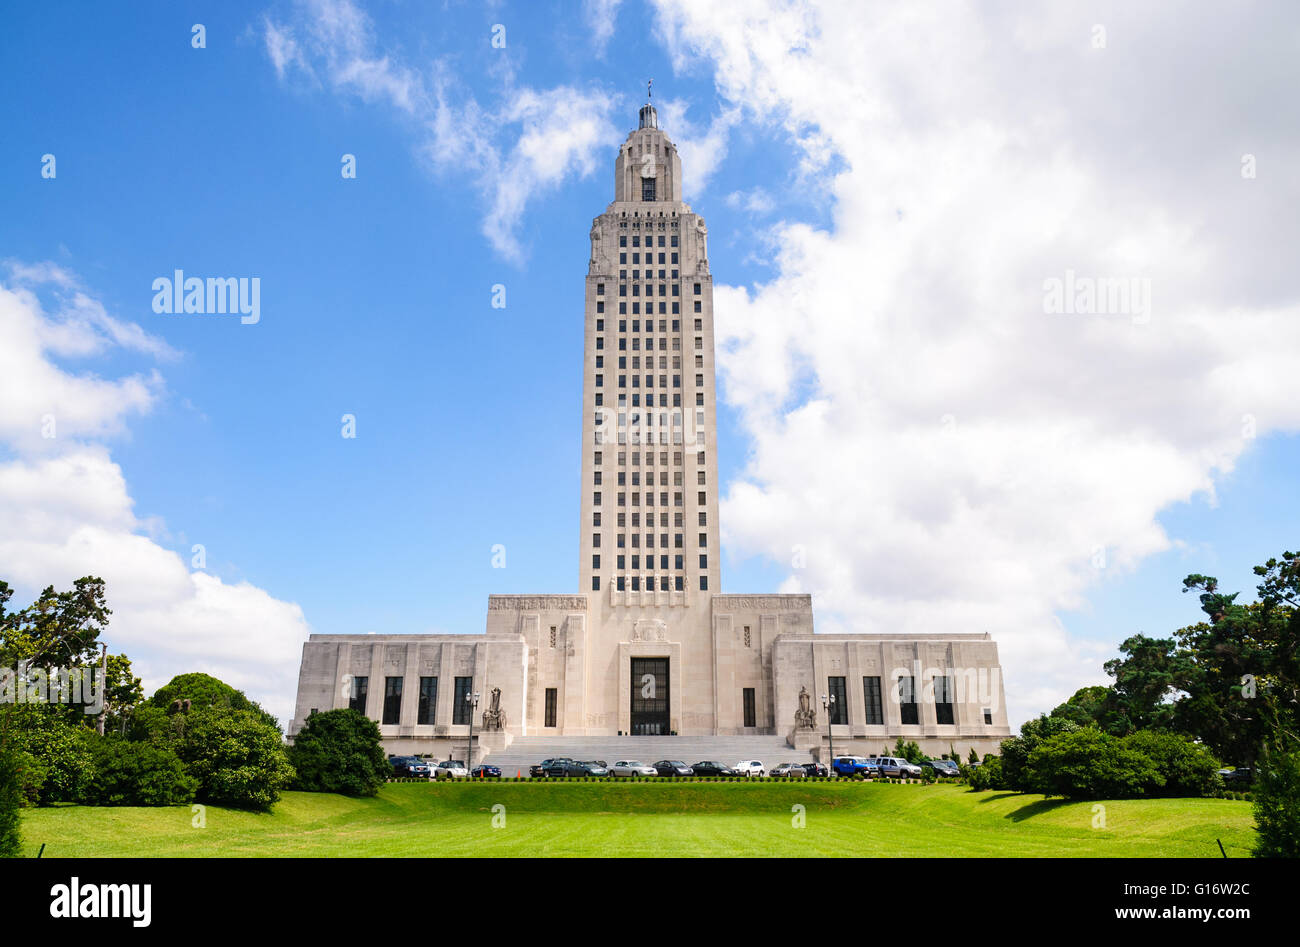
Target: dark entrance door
[(649, 697)]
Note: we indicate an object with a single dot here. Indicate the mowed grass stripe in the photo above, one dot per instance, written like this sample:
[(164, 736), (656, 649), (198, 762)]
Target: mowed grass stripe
[(656, 819)]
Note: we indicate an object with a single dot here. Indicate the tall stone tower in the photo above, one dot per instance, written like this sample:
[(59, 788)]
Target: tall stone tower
[(649, 529)]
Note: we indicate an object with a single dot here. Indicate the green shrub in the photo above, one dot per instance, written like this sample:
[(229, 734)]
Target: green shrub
[(238, 759), (339, 751), (1089, 764), (62, 755), (31, 778), (1187, 768), (1277, 804), (10, 801), (136, 774)]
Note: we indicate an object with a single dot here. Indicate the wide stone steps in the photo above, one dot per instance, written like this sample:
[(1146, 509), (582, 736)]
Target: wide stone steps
[(526, 751)]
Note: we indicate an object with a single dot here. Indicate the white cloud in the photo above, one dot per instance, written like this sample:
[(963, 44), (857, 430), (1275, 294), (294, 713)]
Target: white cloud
[(528, 144), (951, 456), (601, 17), (66, 511), (754, 201)]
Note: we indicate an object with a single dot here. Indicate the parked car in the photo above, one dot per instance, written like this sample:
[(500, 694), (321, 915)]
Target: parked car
[(538, 770), (632, 768), (596, 768), (816, 769), (450, 769), (854, 766), (562, 767), (713, 768), (789, 771), (942, 768), (673, 768), (750, 768), (1241, 776), (411, 766), (486, 771), (896, 767)]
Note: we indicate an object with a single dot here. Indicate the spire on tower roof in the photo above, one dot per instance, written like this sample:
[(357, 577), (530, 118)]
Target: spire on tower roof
[(649, 117)]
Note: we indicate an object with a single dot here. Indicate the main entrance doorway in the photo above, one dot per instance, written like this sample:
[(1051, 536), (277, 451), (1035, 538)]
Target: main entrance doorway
[(649, 697)]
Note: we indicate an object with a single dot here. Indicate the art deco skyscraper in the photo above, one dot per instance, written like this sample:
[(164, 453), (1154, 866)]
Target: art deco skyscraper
[(649, 533)]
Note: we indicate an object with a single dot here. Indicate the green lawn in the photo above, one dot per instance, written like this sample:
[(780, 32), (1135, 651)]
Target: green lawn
[(647, 819)]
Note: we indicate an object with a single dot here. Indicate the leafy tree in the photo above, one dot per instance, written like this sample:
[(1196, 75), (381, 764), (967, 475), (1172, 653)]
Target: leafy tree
[(136, 774), (204, 691), (1016, 750), (61, 747), (59, 628), (237, 757), (1187, 768), (11, 841), (340, 751), (1150, 672), (988, 775), (122, 692), (909, 751), (973, 757), (1089, 764), (1277, 802)]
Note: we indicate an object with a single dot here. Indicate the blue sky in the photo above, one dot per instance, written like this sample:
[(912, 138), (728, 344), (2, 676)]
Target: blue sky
[(375, 301)]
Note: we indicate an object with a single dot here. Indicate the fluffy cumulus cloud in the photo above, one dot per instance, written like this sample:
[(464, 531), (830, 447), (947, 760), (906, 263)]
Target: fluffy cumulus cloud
[(66, 510), (523, 144), (935, 445)]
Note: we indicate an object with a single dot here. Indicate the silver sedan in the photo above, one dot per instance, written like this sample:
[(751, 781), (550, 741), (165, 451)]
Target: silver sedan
[(632, 768)]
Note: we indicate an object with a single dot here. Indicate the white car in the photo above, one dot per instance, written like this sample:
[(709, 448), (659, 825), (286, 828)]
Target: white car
[(751, 768), (632, 768), (450, 769)]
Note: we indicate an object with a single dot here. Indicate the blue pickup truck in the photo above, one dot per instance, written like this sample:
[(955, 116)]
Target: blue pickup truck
[(854, 766)]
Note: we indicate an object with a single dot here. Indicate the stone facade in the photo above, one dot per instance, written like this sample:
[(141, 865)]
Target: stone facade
[(651, 646)]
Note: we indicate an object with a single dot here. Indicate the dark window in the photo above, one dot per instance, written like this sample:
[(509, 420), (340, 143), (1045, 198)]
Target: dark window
[(595, 579), (392, 699), (943, 700), (428, 699), (551, 696), (750, 716), (461, 709), (647, 189), (360, 690), (907, 700), (875, 706), (704, 583), (839, 712), (988, 716)]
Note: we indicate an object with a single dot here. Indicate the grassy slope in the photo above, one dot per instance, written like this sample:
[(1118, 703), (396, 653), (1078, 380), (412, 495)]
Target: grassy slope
[(657, 819)]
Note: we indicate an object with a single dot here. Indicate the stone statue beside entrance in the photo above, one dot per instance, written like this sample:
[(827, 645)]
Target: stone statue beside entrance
[(494, 718), (805, 717)]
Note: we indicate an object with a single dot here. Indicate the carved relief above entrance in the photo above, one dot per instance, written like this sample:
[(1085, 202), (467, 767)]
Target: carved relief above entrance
[(649, 629)]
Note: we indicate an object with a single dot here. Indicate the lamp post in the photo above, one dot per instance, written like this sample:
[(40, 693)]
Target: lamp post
[(827, 704), (472, 700)]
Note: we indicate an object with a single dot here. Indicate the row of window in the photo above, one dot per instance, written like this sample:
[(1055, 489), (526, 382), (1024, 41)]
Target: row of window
[(636, 238), (649, 498), (649, 325), (646, 438), (649, 520), (649, 308), (650, 478), (426, 706), (598, 458), (697, 289), (649, 258), (909, 709)]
